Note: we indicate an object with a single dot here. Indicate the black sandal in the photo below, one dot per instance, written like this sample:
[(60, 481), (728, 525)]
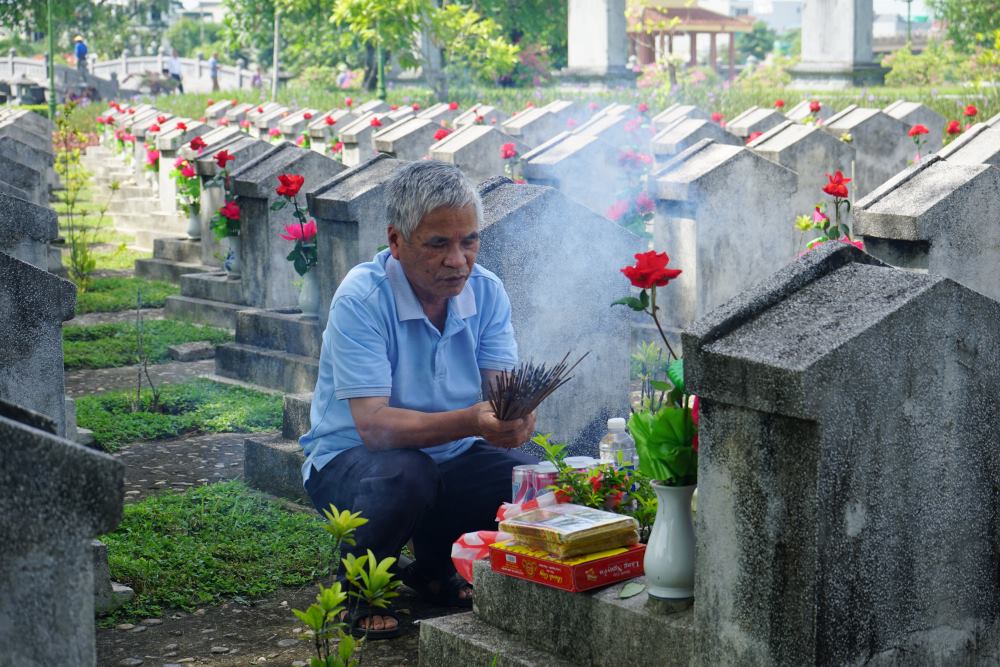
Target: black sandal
[(449, 593), (362, 610)]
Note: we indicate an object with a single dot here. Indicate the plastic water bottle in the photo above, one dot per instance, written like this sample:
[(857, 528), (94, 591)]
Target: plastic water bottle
[(618, 447)]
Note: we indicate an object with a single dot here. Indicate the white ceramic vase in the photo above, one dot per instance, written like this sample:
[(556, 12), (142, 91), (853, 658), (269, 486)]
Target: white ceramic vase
[(194, 225), (670, 553), (309, 295), (232, 263)]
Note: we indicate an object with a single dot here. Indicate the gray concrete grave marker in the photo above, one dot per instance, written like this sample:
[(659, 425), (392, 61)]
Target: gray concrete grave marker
[(913, 113), (881, 141)]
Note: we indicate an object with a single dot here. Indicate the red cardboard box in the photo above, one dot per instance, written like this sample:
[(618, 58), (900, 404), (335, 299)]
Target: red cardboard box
[(575, 574)]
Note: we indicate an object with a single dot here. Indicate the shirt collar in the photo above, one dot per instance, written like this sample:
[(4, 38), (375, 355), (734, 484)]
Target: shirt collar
[(408, 306)]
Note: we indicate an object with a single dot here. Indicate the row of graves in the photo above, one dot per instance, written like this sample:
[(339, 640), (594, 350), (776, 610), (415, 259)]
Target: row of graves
[(848, 399), (56, 495)]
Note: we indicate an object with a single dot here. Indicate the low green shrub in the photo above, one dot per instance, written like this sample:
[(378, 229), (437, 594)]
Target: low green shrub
[(214, 542), (112, 294), (112, 345), (198, 406)]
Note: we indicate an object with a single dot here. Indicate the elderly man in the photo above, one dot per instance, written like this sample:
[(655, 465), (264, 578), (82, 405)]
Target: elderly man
[(400, 431)]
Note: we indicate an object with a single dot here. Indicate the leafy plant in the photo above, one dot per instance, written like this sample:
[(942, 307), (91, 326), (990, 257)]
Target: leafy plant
[(114, 344), (188, 186), (118, 293)]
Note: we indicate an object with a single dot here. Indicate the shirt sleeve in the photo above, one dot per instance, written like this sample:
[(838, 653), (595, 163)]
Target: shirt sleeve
[(361, 366), (497, 350)]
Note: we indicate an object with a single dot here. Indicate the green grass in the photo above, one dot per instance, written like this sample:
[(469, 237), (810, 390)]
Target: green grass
[(215, 542), (114, 344), (119, 293), (198, 406), (119, 259)]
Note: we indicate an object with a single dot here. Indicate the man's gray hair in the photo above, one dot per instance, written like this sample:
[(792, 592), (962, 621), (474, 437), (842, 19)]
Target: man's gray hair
[(420, 187)]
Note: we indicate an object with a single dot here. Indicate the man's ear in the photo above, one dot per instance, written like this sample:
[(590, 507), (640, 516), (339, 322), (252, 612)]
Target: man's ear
[(394, 238)]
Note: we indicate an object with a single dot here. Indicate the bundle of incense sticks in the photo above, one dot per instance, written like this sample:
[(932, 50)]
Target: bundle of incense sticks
[(516, 393)]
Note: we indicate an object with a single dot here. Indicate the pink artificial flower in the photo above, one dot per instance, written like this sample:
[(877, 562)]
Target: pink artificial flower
[(244, 123), (349, 102), (152, 157), (753, 135), (223, 122), (416, 107), (593, 106), (274, 132), (337, 147), (819, 217), (632, 125), (571, 123), (859, 244), (617, 210), (296, 232), (643, 107), (187, 171), (644, 203), (507, 151), (179, 162), (453, 106)]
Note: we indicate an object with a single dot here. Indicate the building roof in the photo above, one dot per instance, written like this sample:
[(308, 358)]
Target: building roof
[(660, 19)]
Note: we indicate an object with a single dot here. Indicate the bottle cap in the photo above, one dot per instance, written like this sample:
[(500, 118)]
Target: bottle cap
[(616, 424)]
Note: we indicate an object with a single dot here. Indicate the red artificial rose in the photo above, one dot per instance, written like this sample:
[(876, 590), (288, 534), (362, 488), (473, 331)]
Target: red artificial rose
[(131, 111), (917, 130), (815, 106), (416, 107), (753, 135), (441, 133), (453, 106), (197, 144), (209, 102), (222, 157), (507, 151), (244, 123), (153, 128), (231, 211), (970, 111), (290, 184), (307, 115), (376, 122), (479, 120), (349, 101), (650, 270), (837, 186), (337, 147), (181, 126), (643, 107), (617, 210), (954, 127), (187, 171), (593, 106), (393, 107), (329, 120), (260, 109), (233, 102), (779, 104), (717, 117), (644, 203)]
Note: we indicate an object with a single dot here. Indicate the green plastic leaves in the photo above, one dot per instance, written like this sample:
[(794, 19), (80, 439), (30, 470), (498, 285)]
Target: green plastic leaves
[(663, 441)]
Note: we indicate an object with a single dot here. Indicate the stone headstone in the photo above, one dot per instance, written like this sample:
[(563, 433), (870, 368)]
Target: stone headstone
[(754, 119), (583, 167), (408, 139), (980, 144), (357, 138), (350, 218), (441, 113), (25, 168), (597, 43), (239, 112), (219, 109), (685, 133), (723, 218), (169, 141), (913, 113), (811, 154), (881, 141), (54, 496), (822, 495), (617, 129), (267, 276), (26, 230), (475, 149), (676, 112), (566, 309), (322, 132), (372, 106), (937, 216), (534, 127), (841, 56), (265, 122), (295, 123), (33, 305)]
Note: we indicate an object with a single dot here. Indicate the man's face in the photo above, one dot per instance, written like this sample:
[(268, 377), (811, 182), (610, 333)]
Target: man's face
[(439, 254)]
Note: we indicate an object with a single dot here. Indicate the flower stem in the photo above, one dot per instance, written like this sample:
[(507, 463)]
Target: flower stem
[(656, 320)]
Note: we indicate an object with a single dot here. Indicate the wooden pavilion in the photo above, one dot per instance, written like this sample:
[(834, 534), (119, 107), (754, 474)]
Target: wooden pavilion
[(652, 31)]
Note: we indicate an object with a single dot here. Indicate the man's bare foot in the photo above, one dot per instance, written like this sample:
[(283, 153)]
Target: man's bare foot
[(374, 622)]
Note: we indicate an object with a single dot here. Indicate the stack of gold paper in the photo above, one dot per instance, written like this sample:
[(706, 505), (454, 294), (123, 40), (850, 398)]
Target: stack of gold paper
[(567, 530)]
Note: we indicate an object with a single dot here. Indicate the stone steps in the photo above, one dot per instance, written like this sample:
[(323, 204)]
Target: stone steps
[(591, 628), (273, 464), (145, 239), (165, 269), (282, 329), (295, 416), (213, 286), (202, 311), (178, 250), (462, 639), (291, 373)]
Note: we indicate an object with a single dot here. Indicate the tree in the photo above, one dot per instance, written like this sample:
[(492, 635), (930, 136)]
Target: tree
[(968, 21), (531, 22), (189, 37), (757, 43)]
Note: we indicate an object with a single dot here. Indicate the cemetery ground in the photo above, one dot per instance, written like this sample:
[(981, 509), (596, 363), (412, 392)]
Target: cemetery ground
[(216, 567)]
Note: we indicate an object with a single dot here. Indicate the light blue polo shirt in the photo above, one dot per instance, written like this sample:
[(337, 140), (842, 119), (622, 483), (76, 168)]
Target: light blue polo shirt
[(379, 342)]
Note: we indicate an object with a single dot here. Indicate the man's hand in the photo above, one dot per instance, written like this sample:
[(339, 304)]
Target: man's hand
[(505, 434)]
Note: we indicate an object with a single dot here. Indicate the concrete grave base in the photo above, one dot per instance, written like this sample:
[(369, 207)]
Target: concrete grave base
[(276, 348), (528, 624), (273, 464)]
